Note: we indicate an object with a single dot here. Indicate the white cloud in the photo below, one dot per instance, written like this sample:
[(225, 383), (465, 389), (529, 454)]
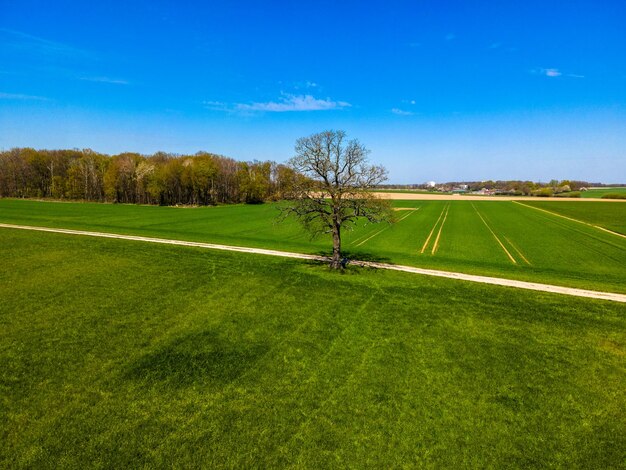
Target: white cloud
[(114, 81), (547, 72), (289, 103), (552, 73), (17, 96), (401, 112)]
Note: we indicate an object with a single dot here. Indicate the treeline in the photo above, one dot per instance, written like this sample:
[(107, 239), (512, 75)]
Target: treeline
[(524, 187), (517, 187), (162, 178)]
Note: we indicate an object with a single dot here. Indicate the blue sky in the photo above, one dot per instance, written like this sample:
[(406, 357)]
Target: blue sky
[(437, 90)]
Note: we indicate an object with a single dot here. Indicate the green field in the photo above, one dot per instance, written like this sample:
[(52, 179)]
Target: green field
[(497, 238), (599, 192), (609, 215), (120, 354)]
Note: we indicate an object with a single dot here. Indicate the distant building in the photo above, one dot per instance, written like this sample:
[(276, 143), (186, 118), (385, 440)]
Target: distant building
[(431, 184)]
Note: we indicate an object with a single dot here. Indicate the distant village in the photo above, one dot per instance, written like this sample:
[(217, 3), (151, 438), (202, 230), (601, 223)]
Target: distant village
[(563, 188)]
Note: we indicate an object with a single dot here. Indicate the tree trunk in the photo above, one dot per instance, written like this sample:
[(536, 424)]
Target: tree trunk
[(336, 259)]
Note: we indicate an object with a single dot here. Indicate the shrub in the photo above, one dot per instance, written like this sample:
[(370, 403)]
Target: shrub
[(543, 192), (614, 196)]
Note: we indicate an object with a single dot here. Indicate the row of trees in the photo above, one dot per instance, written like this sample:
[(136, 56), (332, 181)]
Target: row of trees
[(514, 186), (327, 184), (162, 178)]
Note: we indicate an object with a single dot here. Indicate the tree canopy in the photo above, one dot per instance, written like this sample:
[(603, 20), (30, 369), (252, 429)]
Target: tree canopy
[(161, 178), (331, 190)]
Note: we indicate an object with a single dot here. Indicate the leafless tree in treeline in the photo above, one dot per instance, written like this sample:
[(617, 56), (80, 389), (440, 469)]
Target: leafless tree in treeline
[(333, 188)]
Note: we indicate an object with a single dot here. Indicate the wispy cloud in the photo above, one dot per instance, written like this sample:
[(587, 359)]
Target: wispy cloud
[(17, 96), (217, 106), (553, 73), (287, 103), (450, 36), (24, 42), (401, 112), (113, 81), (495, 45), (305, 85), (291, 103)]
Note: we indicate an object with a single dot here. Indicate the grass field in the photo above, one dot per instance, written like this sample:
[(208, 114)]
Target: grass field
[(497, 238), (599, 192), (123, 354)]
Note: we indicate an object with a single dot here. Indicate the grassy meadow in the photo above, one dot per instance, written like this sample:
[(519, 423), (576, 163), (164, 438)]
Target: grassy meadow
[(120, 354), (497, 238)]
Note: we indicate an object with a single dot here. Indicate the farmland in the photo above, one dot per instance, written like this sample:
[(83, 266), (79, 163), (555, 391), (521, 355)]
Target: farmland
[(498, 238), (599, 192), (609, 216), (126, 354)]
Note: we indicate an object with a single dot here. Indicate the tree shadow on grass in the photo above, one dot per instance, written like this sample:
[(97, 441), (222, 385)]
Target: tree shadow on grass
[(352, 265), (366, 256), (198, 358), (355, 256)]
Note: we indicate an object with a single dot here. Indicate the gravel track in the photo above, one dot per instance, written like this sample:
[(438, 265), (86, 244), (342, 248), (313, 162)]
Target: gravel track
[(611, 296)]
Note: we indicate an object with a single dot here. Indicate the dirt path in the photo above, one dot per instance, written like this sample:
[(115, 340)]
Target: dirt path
[(614, 297)]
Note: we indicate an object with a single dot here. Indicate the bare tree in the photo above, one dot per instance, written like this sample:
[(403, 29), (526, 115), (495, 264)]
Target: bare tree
[(332, 190)]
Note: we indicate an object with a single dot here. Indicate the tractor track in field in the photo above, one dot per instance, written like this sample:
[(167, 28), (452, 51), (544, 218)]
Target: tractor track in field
[(571, 291), (385, 228), (508, 253), (572, 219), (433, 230), (443, 222)]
